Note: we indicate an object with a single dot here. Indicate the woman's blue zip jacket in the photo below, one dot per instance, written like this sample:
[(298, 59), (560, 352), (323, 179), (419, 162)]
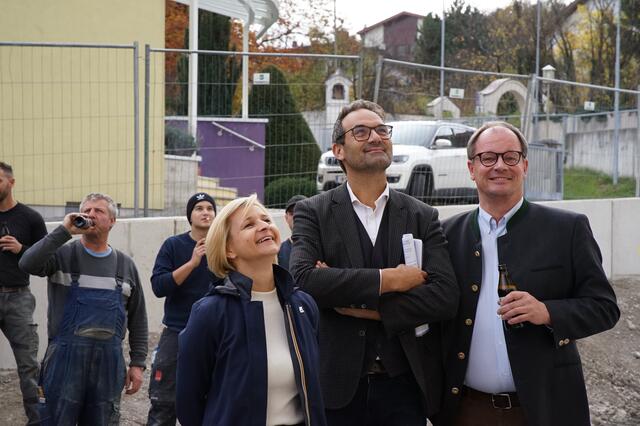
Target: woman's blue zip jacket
[(222, 359)]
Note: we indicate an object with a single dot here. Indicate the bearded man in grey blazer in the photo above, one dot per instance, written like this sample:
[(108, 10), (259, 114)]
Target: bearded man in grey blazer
[(380, 350)]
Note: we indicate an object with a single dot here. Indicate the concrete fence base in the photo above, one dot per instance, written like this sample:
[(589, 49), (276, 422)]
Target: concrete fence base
[(614, 222)]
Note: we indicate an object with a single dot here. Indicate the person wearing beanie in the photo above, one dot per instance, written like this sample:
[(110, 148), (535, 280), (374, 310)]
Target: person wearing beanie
[(285, 247), (197, 199), (181, 276)]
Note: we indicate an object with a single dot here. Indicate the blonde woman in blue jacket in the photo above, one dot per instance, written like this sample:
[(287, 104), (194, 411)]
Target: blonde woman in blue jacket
[(249, 352)]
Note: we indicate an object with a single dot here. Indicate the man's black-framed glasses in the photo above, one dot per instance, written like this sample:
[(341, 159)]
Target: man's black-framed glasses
[(361, 132), (510, 158)]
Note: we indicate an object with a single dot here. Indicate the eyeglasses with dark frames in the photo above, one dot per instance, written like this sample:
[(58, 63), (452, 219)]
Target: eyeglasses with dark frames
[(510, 158), (361, 132)]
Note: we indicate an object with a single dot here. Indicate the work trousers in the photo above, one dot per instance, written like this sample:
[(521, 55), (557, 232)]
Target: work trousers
[(162, 384), (16, 322)]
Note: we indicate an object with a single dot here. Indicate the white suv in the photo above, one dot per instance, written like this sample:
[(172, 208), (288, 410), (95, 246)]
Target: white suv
[(429, 162)]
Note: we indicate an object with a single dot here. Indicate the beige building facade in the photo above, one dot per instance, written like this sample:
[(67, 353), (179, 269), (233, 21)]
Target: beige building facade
[(67, 113)]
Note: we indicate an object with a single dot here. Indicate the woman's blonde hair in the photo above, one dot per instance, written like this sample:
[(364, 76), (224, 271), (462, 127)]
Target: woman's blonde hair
[(218, 235)]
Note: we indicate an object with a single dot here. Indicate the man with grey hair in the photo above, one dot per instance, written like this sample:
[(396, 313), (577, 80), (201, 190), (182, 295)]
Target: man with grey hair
[(94, 295), (513, 360), (20, 226), (380, 363)]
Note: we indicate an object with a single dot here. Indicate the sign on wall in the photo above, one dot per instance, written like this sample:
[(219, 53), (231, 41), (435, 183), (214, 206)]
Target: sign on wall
[(261, 78), (456, 93)]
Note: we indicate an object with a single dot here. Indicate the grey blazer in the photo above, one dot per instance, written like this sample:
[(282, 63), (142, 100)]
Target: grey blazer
[(325, 229)]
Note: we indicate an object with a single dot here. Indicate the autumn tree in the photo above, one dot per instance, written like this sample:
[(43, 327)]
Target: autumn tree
[(591, 32), (630, 29), (630, 34), (307, 27), (217, 74), (176, 24), (465, 45), (296, 20), (465, 36)]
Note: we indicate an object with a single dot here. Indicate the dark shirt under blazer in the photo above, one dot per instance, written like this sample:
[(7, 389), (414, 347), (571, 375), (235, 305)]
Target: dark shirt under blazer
[(551, 254), (325, 229)]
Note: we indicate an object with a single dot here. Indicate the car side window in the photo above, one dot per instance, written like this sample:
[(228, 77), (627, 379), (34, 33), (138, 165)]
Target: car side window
[(461, 137), (444, 132)]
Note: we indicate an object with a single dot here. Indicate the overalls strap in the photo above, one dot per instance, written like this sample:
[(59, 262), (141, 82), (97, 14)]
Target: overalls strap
[(119, 269), (74, 266)]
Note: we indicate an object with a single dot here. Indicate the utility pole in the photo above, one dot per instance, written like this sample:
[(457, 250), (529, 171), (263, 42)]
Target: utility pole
[(335, 32), (442, 62), (616, 99), (536, 82)]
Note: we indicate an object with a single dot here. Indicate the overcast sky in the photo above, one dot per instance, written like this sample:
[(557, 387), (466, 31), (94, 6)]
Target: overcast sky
[(358, 13)]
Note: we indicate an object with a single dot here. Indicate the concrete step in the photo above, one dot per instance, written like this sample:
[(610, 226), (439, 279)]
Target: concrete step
[(221, 194)]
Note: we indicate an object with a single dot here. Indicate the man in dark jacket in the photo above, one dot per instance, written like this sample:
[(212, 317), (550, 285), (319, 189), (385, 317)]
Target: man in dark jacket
[(497, 373), (375, 366), (285, 247)]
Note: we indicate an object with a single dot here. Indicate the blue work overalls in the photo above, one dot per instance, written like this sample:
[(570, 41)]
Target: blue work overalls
[(84, 370)]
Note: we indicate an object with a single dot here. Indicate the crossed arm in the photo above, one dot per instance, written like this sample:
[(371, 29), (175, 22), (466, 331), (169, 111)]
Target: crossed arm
[(406, 297)]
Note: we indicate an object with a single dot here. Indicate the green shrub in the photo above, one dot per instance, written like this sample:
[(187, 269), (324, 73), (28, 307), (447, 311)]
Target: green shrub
[(178, 142), (278, 192), (291, 148)]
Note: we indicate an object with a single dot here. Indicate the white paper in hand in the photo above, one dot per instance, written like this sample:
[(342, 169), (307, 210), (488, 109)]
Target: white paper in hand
[(412, 249), (409, 250), (418, 247)]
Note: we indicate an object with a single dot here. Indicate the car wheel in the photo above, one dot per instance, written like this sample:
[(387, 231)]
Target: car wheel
[(421, 184)]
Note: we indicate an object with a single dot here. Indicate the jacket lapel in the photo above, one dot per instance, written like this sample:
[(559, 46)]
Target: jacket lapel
[(344, 219), (397, 227)]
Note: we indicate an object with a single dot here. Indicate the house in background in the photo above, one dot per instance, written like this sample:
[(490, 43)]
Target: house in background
[(395, 37), (337, 92)]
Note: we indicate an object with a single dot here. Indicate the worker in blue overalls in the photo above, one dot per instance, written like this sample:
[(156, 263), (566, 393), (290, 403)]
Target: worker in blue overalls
[(94, 293)]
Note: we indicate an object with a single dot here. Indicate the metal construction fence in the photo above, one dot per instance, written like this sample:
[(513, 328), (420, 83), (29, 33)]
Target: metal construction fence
[(572, 127), (79, 118), (69, 120), (274, 149)]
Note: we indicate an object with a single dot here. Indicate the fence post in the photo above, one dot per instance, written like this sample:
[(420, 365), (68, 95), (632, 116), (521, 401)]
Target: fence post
[(526, 119), (534, 109), (147, 91), (136, 130), (360, 85), (376, 90), (635, 157), (616, 136), (563, 157)]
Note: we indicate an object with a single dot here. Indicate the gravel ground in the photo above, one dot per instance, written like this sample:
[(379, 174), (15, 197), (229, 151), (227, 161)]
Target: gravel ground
[(611, 363)]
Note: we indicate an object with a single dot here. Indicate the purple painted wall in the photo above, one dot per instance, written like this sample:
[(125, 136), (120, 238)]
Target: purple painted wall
[(236, 162)]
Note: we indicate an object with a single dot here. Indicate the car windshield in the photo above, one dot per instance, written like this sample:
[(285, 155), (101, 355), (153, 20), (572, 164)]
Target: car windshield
[(408, 133)]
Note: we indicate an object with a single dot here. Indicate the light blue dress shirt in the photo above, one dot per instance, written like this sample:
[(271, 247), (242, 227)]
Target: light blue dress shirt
[(489, 369)]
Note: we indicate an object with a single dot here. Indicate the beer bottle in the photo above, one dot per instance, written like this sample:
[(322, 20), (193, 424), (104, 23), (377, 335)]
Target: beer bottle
[(82, 222), (4, 230), (506, 286)]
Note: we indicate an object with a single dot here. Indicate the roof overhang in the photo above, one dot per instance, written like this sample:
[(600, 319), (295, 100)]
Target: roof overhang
[(260, 13)]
